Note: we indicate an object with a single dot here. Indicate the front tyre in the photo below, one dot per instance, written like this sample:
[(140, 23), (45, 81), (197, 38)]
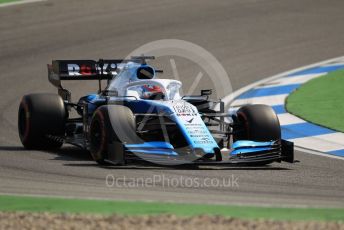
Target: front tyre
[(111, 124), (41, 121), (257, 123)]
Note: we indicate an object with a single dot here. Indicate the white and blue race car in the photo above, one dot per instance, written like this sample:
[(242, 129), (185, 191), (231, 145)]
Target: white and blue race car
[(140, 118)]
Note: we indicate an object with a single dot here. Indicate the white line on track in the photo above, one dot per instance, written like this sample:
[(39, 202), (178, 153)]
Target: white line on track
[(289, 119), (300, 79), (20, 2), (268, 100)]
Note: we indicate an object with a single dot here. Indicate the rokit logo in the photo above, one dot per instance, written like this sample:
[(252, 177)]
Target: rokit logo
[(87, 69)]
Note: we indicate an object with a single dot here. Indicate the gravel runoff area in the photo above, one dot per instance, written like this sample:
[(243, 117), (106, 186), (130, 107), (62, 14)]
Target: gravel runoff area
[(26, 220)]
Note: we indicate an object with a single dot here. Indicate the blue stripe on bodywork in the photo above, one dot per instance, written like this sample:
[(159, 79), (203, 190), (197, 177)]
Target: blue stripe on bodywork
[(250, 150), (339, 153), (251, 144), (151, 144), (316, 70), (153, 147), (91, 97), (275, 90), (303, 130), (279, 109), (165, 152)]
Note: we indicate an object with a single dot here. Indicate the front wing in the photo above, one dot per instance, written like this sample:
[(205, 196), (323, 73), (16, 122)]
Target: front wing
[(243, 153)]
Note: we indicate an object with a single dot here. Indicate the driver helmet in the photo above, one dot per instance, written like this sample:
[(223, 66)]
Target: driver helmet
[(152, 92)]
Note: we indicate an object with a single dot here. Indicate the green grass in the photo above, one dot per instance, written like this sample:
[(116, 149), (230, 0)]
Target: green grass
[(40, 204), (7, 1), (320, 101)]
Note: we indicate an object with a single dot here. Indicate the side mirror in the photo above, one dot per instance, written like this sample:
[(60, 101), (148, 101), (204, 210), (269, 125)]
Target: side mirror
[(206, 92)]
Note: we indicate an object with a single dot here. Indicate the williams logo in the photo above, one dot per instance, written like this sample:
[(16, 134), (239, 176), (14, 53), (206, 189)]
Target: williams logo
[(190, 121)]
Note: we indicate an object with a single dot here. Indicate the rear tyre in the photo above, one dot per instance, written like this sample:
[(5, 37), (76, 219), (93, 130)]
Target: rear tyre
[(111, 124), (257, 123), (41, 121)]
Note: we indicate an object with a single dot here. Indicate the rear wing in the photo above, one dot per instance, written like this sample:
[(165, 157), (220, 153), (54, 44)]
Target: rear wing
[(100, 70), (88, 69), (61, 70)]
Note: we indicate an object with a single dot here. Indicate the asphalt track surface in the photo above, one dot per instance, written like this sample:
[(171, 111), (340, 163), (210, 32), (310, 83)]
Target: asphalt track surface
[(252, 39)]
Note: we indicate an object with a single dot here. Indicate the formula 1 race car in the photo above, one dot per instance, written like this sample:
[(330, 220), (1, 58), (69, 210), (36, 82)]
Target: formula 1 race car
[(139, 117)]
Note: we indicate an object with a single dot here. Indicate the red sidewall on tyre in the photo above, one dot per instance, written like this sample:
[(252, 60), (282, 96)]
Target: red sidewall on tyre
[(260, 123), (41, 121)]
